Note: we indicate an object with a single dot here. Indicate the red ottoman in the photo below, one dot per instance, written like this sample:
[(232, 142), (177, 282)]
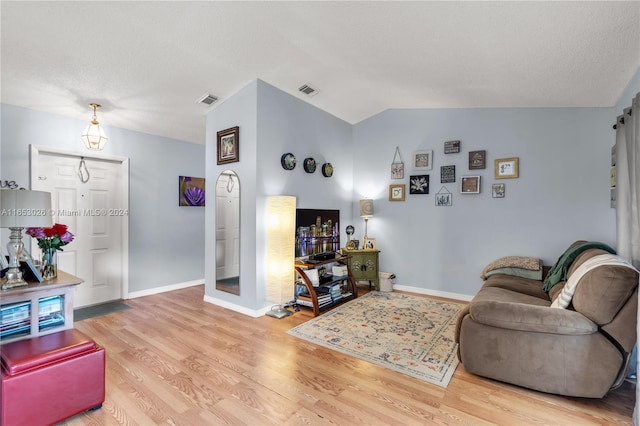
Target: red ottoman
[(49, 378)]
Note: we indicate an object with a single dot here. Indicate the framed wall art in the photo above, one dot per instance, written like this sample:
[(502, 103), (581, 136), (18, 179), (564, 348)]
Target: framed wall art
[(191, 191), (423, 159), (444, 198), (397, 166), (506, 168), (396, 192), (447, 174), (477, 160), (229, 145), (419, 184), (451, 147), (470, 184), (497, 190)]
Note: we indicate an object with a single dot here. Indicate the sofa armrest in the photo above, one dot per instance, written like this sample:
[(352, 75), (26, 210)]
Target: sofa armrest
[(540, 319)]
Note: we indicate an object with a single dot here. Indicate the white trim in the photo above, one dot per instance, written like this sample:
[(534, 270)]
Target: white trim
[(437, 293), (164, 289), (254, 313), (34, 152)]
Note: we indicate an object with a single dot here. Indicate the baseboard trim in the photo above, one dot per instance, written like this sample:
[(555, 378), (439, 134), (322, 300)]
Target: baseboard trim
[(254, 313), (437, 293), (164, 289)]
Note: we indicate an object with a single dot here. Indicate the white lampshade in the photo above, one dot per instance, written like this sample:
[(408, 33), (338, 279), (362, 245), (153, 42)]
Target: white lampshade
[(366, 207), (94, 137), (25, 209), (281, 238)]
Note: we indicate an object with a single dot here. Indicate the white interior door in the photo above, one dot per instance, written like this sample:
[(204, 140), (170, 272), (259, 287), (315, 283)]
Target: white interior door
[(95, 213), (227, 226)]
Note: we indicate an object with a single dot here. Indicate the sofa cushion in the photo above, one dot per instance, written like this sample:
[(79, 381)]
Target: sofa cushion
[(504, 308), (517, 272), (603, 291), (517, 284)]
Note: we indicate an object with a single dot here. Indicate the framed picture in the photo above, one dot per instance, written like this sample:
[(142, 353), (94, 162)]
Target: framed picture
[(396, 192), (470, 184), (423, 160), (477, 160), (444, 198), (397, 166), (506, 168), (228, 145), (369, 244), (419, 184), (447, 174), (497, 190), (451, 147), (191, 191)]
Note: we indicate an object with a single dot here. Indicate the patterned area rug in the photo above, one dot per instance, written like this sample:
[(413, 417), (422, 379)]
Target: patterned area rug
[(409, 334)]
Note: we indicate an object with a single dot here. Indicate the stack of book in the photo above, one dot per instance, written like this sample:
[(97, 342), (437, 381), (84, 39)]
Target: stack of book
[(304, 299)]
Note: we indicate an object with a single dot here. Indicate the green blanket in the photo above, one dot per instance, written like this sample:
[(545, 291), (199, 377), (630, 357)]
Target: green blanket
[(559, 271)]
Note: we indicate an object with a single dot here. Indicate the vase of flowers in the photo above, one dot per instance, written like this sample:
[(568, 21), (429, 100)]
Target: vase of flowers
[(50, 240)]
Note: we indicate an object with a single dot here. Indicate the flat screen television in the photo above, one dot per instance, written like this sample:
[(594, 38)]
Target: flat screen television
[(317, 231)]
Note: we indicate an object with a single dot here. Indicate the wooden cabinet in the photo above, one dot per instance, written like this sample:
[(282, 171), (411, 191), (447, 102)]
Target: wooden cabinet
[(330, 290), (38, 309), (364, 265)]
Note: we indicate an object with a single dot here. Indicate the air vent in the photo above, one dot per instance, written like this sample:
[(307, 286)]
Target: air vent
[(307, 90), (207, 100)]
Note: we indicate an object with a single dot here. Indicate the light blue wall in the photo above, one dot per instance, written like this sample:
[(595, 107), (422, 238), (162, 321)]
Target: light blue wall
[(166, 242), (272, 123), (562, 193)]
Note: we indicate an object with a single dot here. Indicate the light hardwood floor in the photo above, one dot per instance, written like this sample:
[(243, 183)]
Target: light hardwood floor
[(174, 359)]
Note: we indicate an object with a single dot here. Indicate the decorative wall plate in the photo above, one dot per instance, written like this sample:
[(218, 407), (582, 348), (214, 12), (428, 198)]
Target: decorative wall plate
[(327, 170), (288, 161), (309, 165)]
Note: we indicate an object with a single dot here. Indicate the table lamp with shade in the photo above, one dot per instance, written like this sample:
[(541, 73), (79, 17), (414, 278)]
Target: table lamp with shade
[(21, 209), (366, 211)]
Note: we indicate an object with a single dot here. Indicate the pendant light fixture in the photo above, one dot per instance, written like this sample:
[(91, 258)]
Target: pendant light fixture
[(94, 136)]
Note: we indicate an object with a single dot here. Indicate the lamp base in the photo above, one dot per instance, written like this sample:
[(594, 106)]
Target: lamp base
[(279, 312), (8, 283)]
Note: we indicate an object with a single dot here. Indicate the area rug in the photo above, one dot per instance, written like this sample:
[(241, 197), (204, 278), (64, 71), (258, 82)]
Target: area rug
[(409, 334)]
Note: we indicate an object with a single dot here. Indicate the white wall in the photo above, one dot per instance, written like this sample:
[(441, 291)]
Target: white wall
[(562, 193), (166, 242)]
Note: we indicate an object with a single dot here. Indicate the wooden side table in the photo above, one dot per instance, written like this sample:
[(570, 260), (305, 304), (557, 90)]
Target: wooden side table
[(364, 265)]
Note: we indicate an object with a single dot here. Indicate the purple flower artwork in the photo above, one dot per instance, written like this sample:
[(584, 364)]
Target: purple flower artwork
[(191, 191)]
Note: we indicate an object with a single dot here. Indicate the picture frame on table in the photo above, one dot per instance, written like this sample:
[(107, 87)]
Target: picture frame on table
[(369, 244), (229, 145), (396, 192), (422, 159), (470, 184), (506, 168)]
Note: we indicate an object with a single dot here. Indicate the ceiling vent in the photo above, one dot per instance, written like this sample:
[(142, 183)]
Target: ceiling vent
[(307, 90), (207, 100)]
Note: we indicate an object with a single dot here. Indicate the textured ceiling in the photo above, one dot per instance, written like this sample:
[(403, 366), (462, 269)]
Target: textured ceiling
[(148, 62)]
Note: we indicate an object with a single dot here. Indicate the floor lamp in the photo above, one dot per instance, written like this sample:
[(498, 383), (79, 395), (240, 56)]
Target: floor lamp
[(281, 240), (21, 209)]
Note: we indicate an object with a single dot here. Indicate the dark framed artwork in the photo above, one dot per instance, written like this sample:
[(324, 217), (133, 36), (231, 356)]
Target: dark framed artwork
[(447, 174), (451, 147), (419, 184), (229, 145), (191, 191), (477, 160)]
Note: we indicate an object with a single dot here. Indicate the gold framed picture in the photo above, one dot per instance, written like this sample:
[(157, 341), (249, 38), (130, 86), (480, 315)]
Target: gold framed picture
[(396, 192), (506, 168), (369, 244)]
